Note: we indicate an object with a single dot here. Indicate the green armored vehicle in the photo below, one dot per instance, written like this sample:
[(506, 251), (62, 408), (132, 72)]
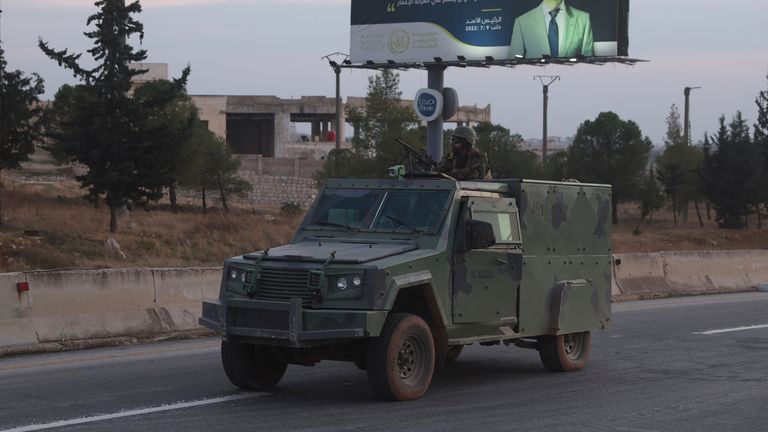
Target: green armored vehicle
[(396, 276)]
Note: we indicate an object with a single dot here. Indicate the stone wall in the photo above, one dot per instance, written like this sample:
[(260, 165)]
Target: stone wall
[(279, 190), (280, 180)]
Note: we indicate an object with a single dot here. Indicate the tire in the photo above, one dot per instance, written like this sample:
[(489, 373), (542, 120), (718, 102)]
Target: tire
[(453, 353), (565, 353), (250, 367), (401, 361)]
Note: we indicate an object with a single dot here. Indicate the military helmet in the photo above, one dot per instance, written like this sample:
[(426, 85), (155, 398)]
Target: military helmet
[(467, 133)]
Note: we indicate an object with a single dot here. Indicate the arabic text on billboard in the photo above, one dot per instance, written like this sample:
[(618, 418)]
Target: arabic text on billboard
[(417, 31)]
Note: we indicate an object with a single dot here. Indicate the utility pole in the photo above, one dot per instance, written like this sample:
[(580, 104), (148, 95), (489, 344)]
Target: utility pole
[(546, 81), (687, 120), (336, 65)]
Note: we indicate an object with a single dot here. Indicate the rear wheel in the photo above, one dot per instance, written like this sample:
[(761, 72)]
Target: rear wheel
[(249, 366), (565, 353), (401, 361)]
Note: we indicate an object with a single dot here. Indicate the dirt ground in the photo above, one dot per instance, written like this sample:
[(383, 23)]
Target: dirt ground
[(49, 227), (663, 235)]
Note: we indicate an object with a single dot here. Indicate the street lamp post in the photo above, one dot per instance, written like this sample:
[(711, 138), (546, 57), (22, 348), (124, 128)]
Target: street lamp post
[(546, 81), (336, 65), (687, 124)]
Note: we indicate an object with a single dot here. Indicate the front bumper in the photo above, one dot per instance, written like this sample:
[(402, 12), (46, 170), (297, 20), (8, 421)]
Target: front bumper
[(288, 323)]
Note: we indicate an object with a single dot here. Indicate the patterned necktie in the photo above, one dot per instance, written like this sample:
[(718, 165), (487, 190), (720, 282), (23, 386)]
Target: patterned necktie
[(554, 34)]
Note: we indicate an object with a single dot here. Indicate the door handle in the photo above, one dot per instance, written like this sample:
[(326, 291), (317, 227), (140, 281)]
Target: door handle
[(501, 261)]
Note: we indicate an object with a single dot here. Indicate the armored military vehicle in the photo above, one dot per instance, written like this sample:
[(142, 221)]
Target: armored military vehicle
[(397, 276)]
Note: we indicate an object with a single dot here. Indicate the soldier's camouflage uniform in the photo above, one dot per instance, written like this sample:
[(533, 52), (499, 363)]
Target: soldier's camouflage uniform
[(470, 165)]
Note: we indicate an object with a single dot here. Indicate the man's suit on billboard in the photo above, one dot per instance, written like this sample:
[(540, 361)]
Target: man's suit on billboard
[(530, 37)]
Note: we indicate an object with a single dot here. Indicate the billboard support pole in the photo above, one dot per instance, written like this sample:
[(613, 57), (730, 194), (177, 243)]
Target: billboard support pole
[(435, 81), (546, 81)]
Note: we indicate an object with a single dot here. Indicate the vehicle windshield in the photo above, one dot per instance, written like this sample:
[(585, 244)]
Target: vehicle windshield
[(380, 210)]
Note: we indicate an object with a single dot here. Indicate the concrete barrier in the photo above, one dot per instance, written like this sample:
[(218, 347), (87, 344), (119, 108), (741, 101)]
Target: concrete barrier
[(638, 275), (16, 328), (66, 306), (179, 292), (664, 274)]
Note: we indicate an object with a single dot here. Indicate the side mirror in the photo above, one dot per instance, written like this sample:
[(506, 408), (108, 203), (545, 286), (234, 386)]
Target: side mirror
[(481, 235)]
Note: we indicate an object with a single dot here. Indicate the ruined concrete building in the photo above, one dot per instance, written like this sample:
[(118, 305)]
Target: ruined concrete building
[(282, 142)]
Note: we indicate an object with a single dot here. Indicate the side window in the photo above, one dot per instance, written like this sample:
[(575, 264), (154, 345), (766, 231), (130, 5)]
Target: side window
[(506, 226)]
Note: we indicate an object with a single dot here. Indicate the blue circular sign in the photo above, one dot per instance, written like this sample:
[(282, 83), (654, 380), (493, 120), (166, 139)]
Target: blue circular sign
[(428, 104)]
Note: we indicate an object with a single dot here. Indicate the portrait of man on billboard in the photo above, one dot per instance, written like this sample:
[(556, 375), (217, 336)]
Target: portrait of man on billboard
[(552, 29)]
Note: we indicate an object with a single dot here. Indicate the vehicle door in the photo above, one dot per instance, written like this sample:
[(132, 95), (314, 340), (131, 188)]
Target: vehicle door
[(486, 281)]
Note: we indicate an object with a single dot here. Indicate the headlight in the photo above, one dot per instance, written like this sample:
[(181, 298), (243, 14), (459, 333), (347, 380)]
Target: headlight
[(242, 277), (341, 283), (233, 274), (356, 281)]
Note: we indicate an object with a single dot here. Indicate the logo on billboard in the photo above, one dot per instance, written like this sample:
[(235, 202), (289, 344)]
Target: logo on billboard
[(399, 41), (428, 104)]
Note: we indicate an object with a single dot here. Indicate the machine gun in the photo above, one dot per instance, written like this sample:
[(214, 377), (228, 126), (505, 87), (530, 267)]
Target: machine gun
[(420, 164)]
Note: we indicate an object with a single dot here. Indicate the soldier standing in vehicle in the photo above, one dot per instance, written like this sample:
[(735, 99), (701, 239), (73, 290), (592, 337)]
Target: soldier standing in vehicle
[(465, 162)]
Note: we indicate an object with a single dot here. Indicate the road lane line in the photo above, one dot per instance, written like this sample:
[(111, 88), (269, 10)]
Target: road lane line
[(730, 330), (132, 413)]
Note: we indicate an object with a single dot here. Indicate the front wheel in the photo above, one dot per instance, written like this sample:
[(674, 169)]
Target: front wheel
[(565, 353), (249, 367), (453, 353), (401, 361)]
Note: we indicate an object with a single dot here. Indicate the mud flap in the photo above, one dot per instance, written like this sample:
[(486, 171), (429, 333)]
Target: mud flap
[(573, 307)]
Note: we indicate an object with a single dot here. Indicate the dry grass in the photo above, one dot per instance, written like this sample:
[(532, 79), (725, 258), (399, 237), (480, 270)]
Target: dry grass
[(73, 234), (63, 231), (663, 235)]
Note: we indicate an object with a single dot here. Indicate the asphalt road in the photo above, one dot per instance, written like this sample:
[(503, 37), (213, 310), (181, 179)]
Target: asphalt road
[(653, 371)]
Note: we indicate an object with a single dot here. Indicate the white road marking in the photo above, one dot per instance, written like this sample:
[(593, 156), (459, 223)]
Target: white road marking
[(730, 330), (131, 413)]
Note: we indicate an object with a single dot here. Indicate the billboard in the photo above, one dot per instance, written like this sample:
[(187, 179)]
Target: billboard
[(418, 31)]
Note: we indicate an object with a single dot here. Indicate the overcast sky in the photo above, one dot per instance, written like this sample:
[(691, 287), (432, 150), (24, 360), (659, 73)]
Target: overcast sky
[(273, 47)]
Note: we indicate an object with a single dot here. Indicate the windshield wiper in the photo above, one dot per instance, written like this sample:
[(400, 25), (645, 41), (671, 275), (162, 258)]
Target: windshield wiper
[(334, 224), (403, 224)]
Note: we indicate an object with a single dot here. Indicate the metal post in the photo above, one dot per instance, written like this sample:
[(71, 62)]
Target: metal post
[(546, 81), (336, 60), (545, 135), (435, 81), (337, 69), (687, 119)]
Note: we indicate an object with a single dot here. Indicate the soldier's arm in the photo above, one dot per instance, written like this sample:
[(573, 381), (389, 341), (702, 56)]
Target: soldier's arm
[(475, 170), (444, 166)]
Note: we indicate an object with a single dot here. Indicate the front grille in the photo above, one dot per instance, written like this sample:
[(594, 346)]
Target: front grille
[(249, 277), (280, 284), (260, 319)]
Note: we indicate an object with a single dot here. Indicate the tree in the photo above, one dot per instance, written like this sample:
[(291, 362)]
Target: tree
[(731, 174), (101, 126), (376, 127), (506, 158), (207, 164), (19, 114), (761, 140), (557, 166), (678, 168), (613, 151), (171, 119), (651, 196)]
